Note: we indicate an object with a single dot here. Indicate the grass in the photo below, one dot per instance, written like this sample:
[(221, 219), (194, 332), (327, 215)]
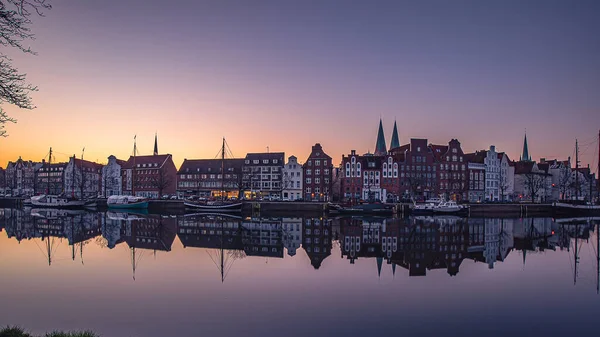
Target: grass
[(18, 332)]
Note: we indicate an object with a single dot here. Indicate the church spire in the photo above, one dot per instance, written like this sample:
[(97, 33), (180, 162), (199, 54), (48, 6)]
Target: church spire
[(156, 144), (525, 156), (395, 140), (380, 149)]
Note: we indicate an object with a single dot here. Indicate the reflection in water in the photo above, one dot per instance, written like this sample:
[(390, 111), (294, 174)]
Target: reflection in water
[(417, 244)]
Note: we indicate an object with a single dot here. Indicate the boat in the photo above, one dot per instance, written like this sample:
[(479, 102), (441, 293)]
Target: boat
[(216, 206), (126, 202), (55, 201), (442, 207), (369, 208), (54, 213)]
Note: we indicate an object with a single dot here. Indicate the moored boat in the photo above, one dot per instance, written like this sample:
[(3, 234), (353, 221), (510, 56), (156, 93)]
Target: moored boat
[(126, 202), (55, 201), (370, 208)]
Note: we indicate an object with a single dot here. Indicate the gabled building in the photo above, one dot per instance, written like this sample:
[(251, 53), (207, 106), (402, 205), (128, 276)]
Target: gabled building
[(317, 173), (531, 182), (476, 175), (50, 178), (20, 177), (82, 178), (149, 176), (204, 178), (112, 181), (2, 180), (452, 170), (292, 180), (262, 175)]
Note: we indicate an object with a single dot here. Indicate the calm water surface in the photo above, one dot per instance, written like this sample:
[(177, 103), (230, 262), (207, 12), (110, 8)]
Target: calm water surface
[(124, 275)]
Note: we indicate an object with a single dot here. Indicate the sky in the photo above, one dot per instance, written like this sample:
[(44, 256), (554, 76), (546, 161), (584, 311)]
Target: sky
[(288, 74)]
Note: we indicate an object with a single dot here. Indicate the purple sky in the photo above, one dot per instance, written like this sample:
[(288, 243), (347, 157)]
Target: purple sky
[(288, 74)]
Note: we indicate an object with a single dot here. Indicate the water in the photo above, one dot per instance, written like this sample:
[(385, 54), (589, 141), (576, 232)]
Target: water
[(124, 274)]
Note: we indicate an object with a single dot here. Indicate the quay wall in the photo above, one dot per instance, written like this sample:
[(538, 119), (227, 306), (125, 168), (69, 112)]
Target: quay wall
[(510, 210)]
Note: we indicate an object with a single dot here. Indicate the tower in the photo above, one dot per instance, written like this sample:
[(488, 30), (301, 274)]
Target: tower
[(525, 156), (156, 144), (395, 140), (380, 149)]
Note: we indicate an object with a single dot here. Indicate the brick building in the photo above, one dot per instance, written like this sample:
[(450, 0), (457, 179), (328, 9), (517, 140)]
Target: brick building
[(317, 172), (452, 170), (203, 178), (154, 176), (20, 177)]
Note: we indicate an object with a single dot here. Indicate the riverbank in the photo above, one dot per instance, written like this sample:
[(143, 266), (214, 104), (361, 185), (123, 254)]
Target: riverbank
[(18, 332)]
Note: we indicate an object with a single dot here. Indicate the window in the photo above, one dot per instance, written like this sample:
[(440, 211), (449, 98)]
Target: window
[(308, 190), (324, 162), (309, 163), (454, 150), (317, 163), (255, 161), (317, 171), (326, 171), (308, 180), (317, 181), (275, 161), (308, 172), (265, 161)]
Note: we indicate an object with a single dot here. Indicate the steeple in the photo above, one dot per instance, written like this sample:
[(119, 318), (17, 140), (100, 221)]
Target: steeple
[(156, 144), (380, 149), (525, 156), (395, 140)]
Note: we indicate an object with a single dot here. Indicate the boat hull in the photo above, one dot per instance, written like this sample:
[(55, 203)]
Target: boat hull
[(237, 207), (55, 202)]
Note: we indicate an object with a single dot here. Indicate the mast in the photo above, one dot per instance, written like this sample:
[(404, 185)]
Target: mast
[(576, 170), (222, 171), (598, 172), (576, 253), (133, 171), (597, 258), (48, 172), (82, 174)]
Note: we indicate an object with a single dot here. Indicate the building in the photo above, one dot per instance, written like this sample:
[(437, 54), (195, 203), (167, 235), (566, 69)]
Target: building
[(2, 180), (292, 180), (149, 176), (492, 175), (316, 240), (82, 178), (292, 234), (531, 182), (50, 178), (203, 178), (262, 175), (20, 177), (452, 170), (317, 172), (476, 175), (112, 182), (507, 177), (419, 176)]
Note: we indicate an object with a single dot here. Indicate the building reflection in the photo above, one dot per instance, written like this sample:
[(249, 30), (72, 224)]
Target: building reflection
[(416, 244)]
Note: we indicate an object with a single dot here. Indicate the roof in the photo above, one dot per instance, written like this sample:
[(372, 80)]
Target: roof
[(438, 151), (544, 167), (147, 161), (265, 155), (210, 165), (380, 147), (87, 164), (395, 140), (476, 157), (522, 167)]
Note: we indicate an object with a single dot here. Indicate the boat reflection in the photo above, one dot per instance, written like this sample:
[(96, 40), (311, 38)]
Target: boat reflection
[(417, 244)]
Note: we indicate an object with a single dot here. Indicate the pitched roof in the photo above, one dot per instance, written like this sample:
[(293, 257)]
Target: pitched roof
[(265, 155), (395, 139), (438, 151), (87, 164), (147, 161), (476, 157), (544, 167), (210, 165), (522, 167)]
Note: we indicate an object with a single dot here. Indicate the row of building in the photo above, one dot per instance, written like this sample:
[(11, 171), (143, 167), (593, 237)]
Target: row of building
[(417, 170)]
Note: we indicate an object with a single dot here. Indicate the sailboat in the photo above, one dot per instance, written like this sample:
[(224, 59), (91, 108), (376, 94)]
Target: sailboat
[(128, 201), (217, 206), (60, 201)]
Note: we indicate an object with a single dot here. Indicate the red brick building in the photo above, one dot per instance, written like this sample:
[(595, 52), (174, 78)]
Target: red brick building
[(418, 170), (452, 169), (50, 178), (317, 172), (149, 176)]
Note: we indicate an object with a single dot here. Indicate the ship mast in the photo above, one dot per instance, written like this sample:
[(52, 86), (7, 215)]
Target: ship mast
[(222, 171), (48, 172), (576, 170), (133, 169)]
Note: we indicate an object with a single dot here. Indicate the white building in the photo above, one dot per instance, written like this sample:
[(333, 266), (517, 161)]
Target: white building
[(82, 178), (292, 180), (531, 183), (492, 175), (506, 182), (292, 234), (111, 177)]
